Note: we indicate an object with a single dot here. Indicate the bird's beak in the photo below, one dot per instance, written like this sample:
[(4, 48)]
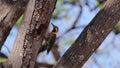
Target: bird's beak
[(53, 25)]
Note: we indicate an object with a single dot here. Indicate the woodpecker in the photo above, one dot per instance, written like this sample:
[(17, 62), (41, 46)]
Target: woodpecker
[(49, 40)]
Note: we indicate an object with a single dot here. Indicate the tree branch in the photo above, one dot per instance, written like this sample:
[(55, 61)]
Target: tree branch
[(92, 36), (38, 65), (56, 52), (16, 55), (8, 16)]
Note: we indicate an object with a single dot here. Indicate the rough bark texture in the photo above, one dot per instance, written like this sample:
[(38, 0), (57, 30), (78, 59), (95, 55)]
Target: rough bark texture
[(9, 13), (92, 36), (31, 33), (15, 58)]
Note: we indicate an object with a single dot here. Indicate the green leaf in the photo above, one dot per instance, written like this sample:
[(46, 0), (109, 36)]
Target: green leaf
[(117, 27), (98, 4), (19, 21), (68, 42), (2, 60)]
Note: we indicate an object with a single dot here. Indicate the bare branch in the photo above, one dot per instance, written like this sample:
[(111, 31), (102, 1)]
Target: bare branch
[(56, 52), (38, 65)]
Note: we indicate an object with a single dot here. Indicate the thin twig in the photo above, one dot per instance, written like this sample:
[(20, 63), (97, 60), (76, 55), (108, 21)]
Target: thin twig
[(74, 24), (7, 48)]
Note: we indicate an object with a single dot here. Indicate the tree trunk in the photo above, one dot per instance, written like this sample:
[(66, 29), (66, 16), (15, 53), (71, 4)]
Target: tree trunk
[(31, 33), (92, 36)]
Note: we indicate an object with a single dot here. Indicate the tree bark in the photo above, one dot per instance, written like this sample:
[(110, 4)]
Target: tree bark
[(31, 33), (16, 55), (9, 13), (92, 36)]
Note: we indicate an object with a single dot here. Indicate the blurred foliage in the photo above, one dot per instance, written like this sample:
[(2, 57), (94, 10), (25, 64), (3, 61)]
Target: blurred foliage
[(99, 4), (2, 59), (61, 11), (68, 42), (117, 28), (19, 21)]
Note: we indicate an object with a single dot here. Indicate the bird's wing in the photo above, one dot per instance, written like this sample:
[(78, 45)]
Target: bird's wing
[(52, 41)]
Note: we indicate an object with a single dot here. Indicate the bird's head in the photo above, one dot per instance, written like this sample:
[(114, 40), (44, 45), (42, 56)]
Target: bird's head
[(55, 29)]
